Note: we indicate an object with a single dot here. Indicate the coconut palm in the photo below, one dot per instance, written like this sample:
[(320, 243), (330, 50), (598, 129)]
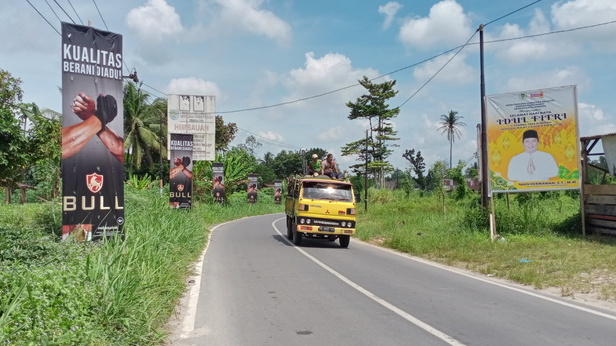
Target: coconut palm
[(450, 123), (142, 126)]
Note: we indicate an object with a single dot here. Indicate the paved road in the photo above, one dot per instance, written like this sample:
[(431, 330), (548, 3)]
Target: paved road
[(257, 288)]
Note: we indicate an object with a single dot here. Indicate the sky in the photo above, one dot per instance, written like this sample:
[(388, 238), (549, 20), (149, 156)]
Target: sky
[(284, 70)]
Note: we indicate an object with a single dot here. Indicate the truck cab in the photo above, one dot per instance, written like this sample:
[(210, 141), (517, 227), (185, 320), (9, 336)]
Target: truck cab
[(320, 208)]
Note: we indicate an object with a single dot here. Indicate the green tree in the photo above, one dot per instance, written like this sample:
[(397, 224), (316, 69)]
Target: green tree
[(45, 142), (435, 177), (287, 163), (450, 124), (14, 151), (142, 127), (250, 145), (417, 165), (373, 107), (224, 133)]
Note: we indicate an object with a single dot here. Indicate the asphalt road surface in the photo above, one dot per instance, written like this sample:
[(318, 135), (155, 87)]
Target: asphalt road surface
[(256, 288)]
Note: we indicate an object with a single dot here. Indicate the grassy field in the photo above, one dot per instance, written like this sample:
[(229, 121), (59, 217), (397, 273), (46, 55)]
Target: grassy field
[(108, 293), (123, 293), (541, 243)]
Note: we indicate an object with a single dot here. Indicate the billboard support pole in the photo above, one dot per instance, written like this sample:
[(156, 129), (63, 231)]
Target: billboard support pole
[(485, 176)]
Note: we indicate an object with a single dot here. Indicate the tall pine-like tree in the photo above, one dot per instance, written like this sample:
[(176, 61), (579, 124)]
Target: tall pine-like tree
[(374, 108)]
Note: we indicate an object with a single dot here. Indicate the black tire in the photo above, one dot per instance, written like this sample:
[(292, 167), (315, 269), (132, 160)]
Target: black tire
[(297, 236), (289, 228), (344, 241)]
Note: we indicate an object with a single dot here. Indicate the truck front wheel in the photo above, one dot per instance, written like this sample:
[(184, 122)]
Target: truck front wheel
[(344, 241)]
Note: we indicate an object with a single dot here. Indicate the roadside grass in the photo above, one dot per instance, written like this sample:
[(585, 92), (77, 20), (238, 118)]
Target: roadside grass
[(541, 243), (105, 293)]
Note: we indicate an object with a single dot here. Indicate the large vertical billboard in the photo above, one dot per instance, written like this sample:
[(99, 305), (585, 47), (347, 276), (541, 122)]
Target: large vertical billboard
[(92, 133), (194, 114), (218, 182), (180, 171), (533, 140), (253, 189)]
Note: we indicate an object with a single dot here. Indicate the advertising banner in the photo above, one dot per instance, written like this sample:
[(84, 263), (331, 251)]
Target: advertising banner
[(92, 133), (277, 192), (218, 183), (180, 171), (533, 142), (194, 114), (252, 188)]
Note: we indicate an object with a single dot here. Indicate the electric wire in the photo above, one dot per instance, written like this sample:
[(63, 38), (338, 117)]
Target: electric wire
[(52, 10), (439, 70), (269, 141), (77, 14), (69, 17), (458, 48), (42, 16), (99, 13), (510, 13)]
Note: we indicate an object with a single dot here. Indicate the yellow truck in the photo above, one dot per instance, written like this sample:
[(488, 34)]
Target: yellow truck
[(320, 208)]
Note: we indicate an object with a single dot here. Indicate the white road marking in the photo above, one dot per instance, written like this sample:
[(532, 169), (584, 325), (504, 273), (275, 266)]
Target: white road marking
[(446, 338), (454, 270), (190, 317)]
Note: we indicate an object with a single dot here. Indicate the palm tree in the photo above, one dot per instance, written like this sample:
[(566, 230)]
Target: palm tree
[(142, 126), (450, 123)]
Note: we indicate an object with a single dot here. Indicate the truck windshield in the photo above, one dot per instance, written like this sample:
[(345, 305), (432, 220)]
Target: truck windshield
[(327, 191)]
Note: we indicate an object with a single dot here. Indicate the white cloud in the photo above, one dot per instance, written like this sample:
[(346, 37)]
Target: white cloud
[(154, 21), (272, 136), (192, 85), (247, 16), (457, 71), (593, 121), (572, 14), (446, 24), (566, 76), (334, 133), (389, 10), (332, 71)]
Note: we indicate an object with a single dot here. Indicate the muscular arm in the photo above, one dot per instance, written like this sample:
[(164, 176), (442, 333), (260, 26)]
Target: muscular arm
[(175, 171), (113, 142), (75, 137), (84, 107)]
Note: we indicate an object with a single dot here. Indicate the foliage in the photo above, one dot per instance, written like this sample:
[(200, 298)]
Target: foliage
[(44, 137), (14, 151), (107, 293), (543, 228), (417, 165), (250, 145), (373, 107), (224, 133), (140, 183), (287, 163), (144, 127), (450, 124)]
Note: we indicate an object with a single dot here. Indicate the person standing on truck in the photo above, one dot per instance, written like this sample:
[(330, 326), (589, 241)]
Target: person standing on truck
[(329, 167), (314, 166)]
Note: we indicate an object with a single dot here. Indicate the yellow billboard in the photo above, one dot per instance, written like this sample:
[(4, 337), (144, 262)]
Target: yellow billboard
[(532, 140)]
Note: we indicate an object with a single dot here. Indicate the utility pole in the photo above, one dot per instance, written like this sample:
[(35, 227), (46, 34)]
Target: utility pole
[(485, 175)]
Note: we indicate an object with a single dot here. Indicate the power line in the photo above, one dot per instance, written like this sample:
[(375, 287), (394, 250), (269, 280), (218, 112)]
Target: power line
[(439, 70), (510, 13), (271, 142), (40, 14), (99, 13), (54, 12), (77, 14), (69, 17)]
